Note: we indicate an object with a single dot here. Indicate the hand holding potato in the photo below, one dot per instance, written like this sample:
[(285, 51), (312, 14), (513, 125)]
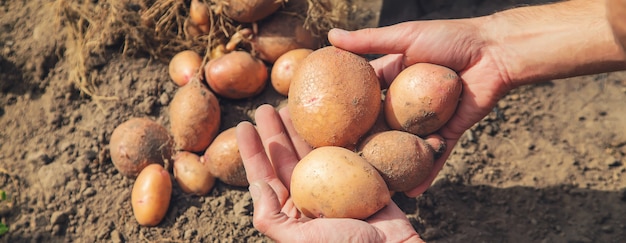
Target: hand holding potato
[(481, 87), (492, 54), (270, 152)]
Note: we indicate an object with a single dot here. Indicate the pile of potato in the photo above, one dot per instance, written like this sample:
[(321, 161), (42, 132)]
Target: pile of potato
[(375, 141), (366, 145), (193, 149)]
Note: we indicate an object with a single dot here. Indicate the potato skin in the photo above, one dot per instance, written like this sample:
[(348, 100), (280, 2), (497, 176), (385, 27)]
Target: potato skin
[(248, 11), (403, 159), (236, 75), (334, 98), (280, 33), (191, 174), (284, 68), (334, 182), (194, 117), (224, 161), (422, 98), (138, 142), (183, 66), (151, 194)]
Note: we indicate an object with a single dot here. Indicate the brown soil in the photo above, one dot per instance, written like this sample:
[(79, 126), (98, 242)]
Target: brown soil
[(546, 165)]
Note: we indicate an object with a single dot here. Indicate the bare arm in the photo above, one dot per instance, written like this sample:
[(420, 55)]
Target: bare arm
[(616, 13), (554, 41), (494, 54)]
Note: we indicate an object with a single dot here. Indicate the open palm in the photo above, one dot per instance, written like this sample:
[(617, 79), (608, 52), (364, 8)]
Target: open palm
[(270, 151)]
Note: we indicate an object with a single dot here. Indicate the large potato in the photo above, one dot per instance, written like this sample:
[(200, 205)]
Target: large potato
[(194, 117), (334, 182), (334, 98), (138, 142), (422, 98), (404, 160)]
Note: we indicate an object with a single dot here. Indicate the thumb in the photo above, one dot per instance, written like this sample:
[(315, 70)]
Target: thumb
[(384, 40)]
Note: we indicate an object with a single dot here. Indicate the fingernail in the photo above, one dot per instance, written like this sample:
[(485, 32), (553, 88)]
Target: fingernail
[(340, 32), (255, 191)]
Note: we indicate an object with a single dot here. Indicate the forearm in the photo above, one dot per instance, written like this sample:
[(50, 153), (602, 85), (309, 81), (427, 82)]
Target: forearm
[(616, 14), (541, 43)]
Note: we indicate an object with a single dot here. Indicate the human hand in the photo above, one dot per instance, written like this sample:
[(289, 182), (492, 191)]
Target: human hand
[(456, 44), (270, 152)]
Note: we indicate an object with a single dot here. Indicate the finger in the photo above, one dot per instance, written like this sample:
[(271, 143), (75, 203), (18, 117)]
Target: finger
[(255, 160), (393, 39), (392, 221), (387, 68), (301, 146), (277, 143), (389, 212)]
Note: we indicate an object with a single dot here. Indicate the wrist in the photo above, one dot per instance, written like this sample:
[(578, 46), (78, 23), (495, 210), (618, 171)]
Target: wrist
[(541, 43)]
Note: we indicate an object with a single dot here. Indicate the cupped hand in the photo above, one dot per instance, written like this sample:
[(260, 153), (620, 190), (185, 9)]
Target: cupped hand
[(456, 44), (269, 152)]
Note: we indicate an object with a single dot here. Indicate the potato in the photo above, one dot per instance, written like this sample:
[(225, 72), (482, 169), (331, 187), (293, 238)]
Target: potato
[(151, 194), (194, 117), (199, 13), (422, 98), (334, 98), (616, 10), (284, 68), (248, 11), (183, 66), (224, 161), (403, 159), (379, 126), (138, 142), (334, 182), (236, 75), (280, 33), (191, 174)]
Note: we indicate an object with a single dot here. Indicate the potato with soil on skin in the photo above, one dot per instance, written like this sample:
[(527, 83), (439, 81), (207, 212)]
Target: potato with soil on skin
[(248, 11), (191, 174), (334, 182), (194, 117), (138, 142), (379, 126), (279, 34), (151, 194), (236, 75), (334, 98), (403, 159), (224, 161), (284, 68), (422, 98)]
